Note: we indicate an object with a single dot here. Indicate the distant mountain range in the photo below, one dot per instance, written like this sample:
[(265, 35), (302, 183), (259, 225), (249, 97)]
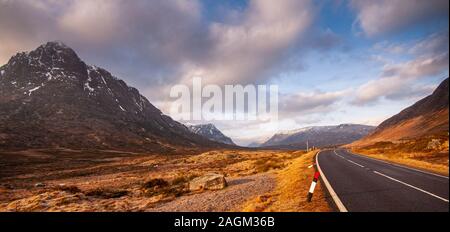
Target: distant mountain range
[(211, 132), (254, 144), (428, 117), (50, 98), (318, 136)]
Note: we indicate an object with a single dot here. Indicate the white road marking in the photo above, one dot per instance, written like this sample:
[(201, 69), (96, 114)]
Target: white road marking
[(411, 186), (330, 189), (355, 163), (338, 155), (398, 165), (348, 159)]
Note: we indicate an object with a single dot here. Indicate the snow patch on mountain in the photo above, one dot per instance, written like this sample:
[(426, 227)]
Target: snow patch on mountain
[(90, 100), (319, 136), (210, 132), (33, 89)]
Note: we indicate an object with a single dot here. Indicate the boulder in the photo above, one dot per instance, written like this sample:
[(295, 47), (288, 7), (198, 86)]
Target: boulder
[(39, 185), (434, 144), (210, 181)]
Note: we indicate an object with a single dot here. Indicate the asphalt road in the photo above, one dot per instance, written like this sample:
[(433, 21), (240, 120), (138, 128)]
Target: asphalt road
[(363, 184)]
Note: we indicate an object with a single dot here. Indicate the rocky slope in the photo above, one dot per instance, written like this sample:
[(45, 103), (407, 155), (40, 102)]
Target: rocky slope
[(50, 98), (211, 132), (319, 136), (426, 118)]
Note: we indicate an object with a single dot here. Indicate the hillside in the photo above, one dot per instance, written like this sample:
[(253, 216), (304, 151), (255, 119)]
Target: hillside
[(49, 98), (417, 136), (426, 118)]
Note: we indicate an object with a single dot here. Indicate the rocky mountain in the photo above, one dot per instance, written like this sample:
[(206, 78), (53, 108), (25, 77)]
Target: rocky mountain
[(50, 98), (426, 118), (319, 136), (211, 132)]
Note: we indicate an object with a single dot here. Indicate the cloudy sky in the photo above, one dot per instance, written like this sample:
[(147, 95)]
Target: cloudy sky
[(335, 61)]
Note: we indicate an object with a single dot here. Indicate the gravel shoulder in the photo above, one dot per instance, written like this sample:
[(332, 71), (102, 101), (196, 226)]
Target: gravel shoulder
[(229, 199)]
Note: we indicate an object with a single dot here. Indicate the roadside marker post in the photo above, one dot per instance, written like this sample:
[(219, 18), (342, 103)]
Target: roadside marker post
[(313, 185)]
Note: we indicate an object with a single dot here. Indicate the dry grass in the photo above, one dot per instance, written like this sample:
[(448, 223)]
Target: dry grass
[(112, 181), (420, 142), (175, 188), (106, 193), (290, 195), (428, 153), (155, 184), (69, 189), (434, 162), (268, 163), (432, 124)]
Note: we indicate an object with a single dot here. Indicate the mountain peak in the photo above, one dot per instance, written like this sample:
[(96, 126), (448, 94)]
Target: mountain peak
[(55, 49), (50, 56), (211, 132), (58, 45), (51, 95)]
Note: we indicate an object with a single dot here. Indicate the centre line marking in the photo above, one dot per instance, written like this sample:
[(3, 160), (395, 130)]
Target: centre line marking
[(411, 186), (355, 163), (338, 155)]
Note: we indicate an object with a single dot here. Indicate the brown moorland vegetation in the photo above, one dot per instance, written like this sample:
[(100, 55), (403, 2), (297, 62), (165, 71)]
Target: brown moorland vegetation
[(290, 194), (430, 153), (91, 180)]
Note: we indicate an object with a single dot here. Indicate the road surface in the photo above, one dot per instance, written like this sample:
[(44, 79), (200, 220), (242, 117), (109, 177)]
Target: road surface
[(363, 184)]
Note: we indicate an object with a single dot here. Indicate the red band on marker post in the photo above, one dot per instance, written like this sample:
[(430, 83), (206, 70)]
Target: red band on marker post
[(316, 176), (313, 185)]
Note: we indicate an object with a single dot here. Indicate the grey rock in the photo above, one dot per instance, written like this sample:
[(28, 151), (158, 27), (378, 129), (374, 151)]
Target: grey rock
[(210, 181)]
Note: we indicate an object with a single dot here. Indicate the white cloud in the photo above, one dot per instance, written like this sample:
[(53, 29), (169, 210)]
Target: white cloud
[(96, 21), (433, 44), (383, 16), (153, 44), (157, 43), (397, 80), (309, 103), (22, 26), (246, 51)]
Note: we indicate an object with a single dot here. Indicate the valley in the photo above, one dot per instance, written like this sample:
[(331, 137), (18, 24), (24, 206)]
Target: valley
[(73, 137)]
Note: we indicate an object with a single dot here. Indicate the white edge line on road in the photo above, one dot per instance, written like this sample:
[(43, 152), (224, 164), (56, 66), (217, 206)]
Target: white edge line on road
[(355, 163), (330, 189), (398, 165), (411, 186)]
